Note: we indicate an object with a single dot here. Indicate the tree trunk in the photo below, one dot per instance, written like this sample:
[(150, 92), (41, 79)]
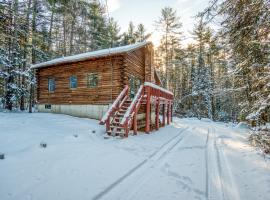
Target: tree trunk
[(72, 34), (22, 100), (64, 33), (10, 79), (166, 59), (31, 98), (50, 31)]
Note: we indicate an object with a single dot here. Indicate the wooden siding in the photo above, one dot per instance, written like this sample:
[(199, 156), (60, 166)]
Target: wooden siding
[(134, 65), (138, 63), (149, 64), (82, 94)]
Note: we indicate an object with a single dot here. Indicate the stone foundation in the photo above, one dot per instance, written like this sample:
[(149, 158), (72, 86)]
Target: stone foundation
[(87, 111)]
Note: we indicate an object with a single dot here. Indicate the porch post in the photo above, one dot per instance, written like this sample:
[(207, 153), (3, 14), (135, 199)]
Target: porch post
[(163, 113), (148, 110), (157, 113), (168, 112), (126, 130), (108, 125), (135, 122), (171, 111)]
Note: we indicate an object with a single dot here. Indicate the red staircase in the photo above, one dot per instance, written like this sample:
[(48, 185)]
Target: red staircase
[(115, 128), (122, 115)]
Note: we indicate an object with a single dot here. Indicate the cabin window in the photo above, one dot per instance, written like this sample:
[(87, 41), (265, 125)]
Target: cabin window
[(48, 106), (92, 80), (51, 84), (73, 81)]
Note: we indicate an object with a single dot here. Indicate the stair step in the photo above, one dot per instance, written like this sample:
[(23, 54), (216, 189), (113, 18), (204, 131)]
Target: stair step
[(116, 133), (117, 119), (117, 127)]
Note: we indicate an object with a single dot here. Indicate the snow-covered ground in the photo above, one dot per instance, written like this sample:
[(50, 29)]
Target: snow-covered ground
[(190, 159)]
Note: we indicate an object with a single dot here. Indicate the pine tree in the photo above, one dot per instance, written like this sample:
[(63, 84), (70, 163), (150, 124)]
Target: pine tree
[(169, 24), (131, 35), (99, 31), (246, 25), (11, 54), (141, 34), (113, 36)]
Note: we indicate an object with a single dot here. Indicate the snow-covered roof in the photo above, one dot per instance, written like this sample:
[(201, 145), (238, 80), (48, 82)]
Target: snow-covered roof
[(92, 54)]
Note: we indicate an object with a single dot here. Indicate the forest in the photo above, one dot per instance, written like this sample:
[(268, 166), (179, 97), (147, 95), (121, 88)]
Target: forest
[(223, 74)]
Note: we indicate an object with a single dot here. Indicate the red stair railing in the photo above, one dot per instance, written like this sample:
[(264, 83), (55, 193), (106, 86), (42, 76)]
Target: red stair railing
[(127, 119), (114, 107)]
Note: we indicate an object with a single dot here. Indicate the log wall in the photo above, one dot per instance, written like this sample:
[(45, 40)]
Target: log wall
[(63, 94), (138, 63)]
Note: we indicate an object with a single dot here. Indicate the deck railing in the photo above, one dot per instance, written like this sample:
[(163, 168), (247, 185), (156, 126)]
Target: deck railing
[(147, 90)]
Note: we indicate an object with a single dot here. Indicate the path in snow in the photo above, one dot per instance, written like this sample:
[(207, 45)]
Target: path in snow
[(190, 159), (140, 172)]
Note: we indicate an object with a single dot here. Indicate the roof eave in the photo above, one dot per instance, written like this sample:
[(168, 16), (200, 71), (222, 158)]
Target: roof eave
[(44, 65), (48, 64)]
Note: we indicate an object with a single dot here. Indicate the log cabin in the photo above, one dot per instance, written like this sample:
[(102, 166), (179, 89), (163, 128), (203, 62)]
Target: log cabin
[(110, 85)]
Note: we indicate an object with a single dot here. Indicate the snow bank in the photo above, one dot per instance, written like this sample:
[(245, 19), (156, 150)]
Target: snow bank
[(261, 139), (243, 125), (206, 120)]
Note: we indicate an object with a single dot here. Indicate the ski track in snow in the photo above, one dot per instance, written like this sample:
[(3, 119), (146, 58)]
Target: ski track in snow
[(142, 167)]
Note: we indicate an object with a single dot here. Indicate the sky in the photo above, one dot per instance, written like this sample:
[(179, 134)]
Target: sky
[(148, 11)]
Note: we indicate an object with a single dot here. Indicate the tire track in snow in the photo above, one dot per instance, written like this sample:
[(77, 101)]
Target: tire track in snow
[(214, 189), (206, 166), (220, 184), (227, 181), (147, 163)]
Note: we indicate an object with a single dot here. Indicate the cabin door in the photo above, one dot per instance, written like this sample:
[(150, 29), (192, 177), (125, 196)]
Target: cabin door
[(134, 84)]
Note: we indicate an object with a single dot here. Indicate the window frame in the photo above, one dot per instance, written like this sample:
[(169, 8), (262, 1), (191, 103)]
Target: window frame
[(50, 89), (70, 82), (88, 80)]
